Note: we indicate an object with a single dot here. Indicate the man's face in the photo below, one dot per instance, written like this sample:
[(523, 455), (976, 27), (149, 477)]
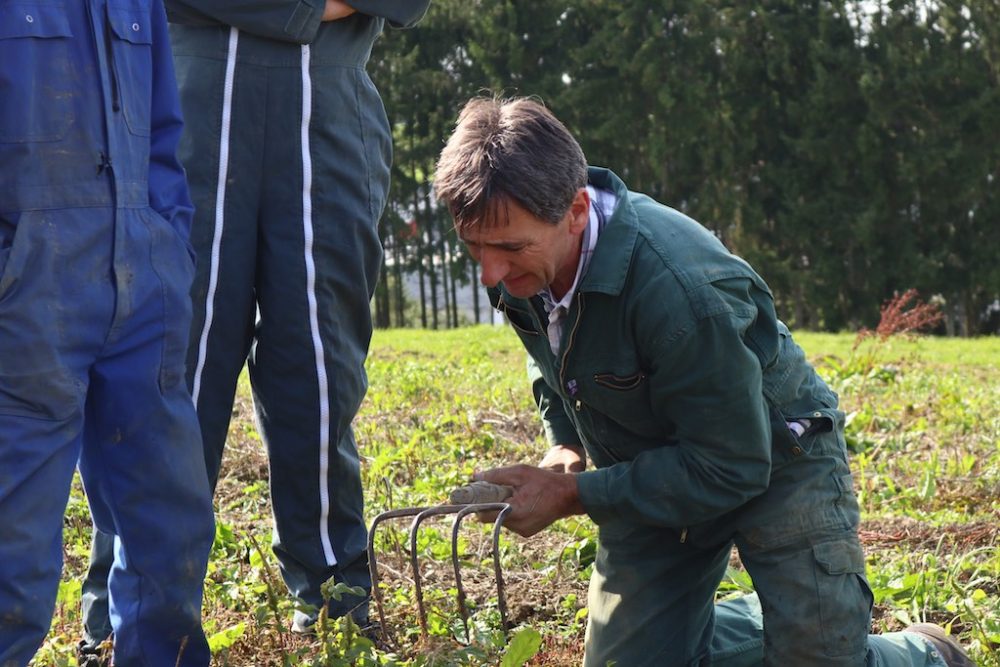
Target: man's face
[(529, 254)]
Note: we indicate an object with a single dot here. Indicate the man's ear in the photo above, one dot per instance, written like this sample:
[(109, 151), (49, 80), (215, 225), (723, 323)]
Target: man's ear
[(579, 211)]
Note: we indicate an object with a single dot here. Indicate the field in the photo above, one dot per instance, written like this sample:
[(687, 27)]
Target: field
[(924, 429)]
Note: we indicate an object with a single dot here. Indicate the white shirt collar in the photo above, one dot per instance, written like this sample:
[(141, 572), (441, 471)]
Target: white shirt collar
[(602, 205)]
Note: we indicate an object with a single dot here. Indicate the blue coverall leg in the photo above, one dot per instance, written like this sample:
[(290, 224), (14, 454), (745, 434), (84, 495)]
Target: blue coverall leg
[(95, 271), (92, 370), (799, 543)]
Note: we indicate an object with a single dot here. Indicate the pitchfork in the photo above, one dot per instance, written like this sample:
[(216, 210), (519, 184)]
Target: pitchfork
[(476, 497)]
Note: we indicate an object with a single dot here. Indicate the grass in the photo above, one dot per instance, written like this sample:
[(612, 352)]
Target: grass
[(924, 429)]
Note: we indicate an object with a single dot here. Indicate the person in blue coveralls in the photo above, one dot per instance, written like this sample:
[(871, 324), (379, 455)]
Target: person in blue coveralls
[(657, 355), (95, 273), (287, 148)]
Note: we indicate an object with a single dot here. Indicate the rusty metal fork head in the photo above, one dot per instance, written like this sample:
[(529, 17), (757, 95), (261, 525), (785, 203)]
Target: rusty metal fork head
[(419, 514)]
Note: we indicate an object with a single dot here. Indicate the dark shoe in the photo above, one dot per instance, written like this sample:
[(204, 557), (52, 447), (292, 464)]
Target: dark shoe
[(373, 632), (370, 630), (93, 655), (303, 625), (950, 650)]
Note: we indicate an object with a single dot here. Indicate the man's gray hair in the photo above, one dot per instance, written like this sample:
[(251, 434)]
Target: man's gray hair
[(505, 150)]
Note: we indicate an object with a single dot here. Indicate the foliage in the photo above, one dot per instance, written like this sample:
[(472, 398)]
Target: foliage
[(848, 149), (903, 314), (925, 430), (522, 648)]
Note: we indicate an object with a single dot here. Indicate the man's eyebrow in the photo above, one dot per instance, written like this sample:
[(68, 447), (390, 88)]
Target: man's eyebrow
[(513, 243)]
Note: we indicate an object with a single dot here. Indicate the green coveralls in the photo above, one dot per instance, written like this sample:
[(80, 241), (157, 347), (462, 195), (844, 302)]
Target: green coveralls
[(287, 149), (679, 381)]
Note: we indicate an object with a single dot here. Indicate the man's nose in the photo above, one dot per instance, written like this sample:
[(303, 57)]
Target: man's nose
[(492, 269)]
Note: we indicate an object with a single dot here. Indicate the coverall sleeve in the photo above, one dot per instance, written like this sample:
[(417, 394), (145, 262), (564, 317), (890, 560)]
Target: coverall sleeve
[(399, 13), (559, 430), (294, 21), (706, 379), (168, 190)]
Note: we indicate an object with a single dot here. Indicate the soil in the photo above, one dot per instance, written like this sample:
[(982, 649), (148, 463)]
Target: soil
[(543, 588)]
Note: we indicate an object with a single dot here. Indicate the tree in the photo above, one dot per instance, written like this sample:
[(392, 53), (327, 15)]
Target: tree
[(849, 149)]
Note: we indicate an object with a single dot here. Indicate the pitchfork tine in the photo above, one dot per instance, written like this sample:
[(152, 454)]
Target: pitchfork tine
[(373, 564), (414, 527), (458, 570), (504, 509), (501, 594), (419, 514)]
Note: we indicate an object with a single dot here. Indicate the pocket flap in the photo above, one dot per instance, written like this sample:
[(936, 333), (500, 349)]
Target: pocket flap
[(620, 382), (840, 557), (33, 20), (131, 24)]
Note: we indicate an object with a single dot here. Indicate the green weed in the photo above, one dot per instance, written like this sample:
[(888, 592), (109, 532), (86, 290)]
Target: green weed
[(923, 428)]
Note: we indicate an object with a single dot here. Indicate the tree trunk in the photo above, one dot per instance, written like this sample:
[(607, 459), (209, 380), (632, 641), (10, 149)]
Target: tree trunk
[(475, 291), (397, 272), (445, 291), (432, 276)]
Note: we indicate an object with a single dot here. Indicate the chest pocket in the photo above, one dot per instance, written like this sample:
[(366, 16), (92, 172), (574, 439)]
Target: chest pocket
[(36, 72), (617, 407), (132, 66)]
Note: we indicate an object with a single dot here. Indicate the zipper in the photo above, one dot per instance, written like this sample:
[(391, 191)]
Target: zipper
[(569, 343), (577, 404), (104, 164)]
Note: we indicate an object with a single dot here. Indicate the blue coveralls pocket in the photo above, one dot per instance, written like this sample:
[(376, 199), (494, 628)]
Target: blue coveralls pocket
[(378, 143), (33, 381), (46, 395), (616, 406), (131, 46), (818, 439), (35, 36), (8, 234), (174, 265)]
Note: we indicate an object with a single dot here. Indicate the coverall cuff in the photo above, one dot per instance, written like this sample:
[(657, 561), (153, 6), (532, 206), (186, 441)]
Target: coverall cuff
[(398, 14), (560, 432), (305, 20), (592, 487)]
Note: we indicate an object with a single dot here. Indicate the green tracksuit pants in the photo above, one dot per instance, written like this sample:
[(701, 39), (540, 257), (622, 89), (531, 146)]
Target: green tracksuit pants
[(293, 180), (287, 153)]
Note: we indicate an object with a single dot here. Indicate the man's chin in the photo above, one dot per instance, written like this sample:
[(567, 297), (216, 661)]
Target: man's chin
[(521, 288)]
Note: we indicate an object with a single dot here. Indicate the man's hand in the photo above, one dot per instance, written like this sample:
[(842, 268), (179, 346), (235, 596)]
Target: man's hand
[(336, 9), (540, 497), (565, 458)]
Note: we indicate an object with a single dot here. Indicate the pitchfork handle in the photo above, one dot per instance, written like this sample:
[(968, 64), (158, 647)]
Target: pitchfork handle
[(480, 492)]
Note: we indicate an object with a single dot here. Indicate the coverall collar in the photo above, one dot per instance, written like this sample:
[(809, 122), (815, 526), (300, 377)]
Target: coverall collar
[(612, 257)]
